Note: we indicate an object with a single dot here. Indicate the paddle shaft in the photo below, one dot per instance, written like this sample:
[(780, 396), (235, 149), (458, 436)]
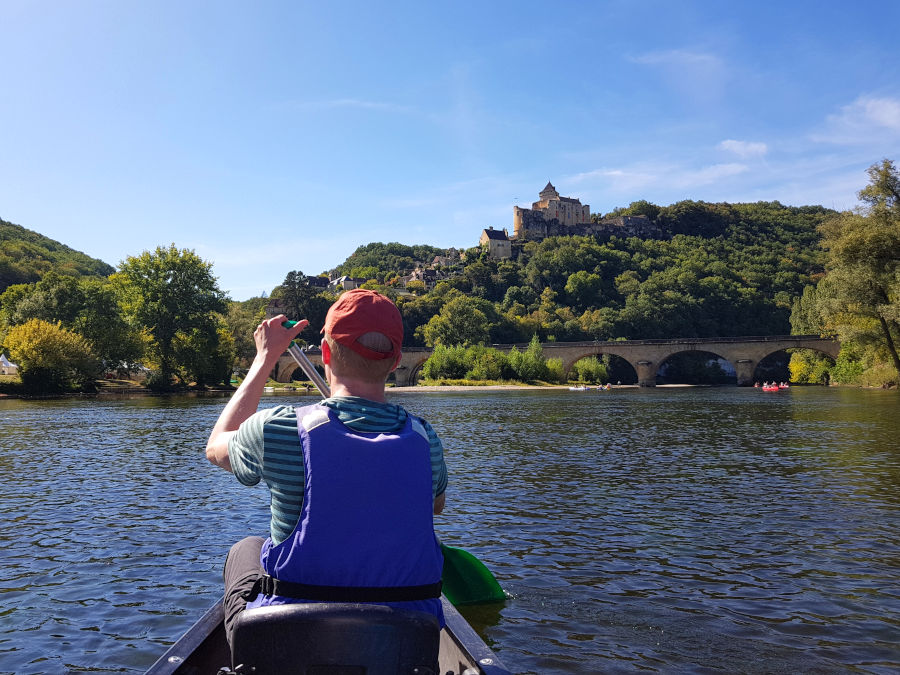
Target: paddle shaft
[(306, 365)]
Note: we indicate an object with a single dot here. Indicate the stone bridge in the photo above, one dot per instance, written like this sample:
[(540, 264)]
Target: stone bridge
[(645, 356)]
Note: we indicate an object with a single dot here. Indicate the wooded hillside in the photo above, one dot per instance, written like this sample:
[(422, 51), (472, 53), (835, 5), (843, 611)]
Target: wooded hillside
[(718, 270), (25, 256)]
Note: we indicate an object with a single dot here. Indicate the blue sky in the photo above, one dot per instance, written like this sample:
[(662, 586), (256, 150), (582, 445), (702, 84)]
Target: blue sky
[(274, 136)]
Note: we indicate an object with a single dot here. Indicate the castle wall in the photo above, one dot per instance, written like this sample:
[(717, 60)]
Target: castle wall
[(530, 225), (555, 216)]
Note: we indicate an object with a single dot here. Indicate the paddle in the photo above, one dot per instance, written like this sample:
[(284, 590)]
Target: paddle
[(467, 581)]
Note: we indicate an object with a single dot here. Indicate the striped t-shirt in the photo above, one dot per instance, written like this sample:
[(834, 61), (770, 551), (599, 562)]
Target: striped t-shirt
[(267, 447)]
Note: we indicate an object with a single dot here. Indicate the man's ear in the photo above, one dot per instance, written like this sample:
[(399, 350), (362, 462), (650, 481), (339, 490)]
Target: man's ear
[(396, 363), (326, 352)]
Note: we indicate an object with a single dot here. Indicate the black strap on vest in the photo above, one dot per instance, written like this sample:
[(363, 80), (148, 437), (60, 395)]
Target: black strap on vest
[(271, 586)]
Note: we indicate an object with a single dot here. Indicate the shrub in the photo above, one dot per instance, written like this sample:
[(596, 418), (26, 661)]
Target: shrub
[(446, 361), (847, 369), (532, 365), (555, 372), (487, 363), (809, 367), (51, 359), (591, 370)]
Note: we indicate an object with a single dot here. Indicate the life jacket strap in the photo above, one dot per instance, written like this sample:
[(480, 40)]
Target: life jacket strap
[(267, 585)]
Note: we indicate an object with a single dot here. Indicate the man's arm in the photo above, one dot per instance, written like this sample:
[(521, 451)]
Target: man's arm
[(272, 340)]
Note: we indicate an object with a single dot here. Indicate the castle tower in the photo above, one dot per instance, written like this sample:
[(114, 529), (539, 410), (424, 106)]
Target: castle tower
[(548, 193)]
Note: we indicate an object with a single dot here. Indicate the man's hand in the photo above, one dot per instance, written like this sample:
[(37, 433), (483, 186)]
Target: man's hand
[(272, 340)]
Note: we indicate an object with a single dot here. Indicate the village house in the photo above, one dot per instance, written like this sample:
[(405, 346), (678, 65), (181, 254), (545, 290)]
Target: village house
[(317, 282), (346, 283), (427, 276), (451, 257), (497, 243)]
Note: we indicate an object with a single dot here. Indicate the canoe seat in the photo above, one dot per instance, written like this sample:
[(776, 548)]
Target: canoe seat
[(335, 639)]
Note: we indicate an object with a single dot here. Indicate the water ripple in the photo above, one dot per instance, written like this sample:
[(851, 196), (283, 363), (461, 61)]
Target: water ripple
[(692, 530)]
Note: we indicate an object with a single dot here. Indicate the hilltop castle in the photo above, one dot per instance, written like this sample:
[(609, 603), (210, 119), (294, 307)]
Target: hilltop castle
[(550, 206), (554, 216)]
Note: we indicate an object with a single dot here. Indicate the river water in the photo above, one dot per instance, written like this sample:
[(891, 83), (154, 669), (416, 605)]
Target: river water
[(703, 530)]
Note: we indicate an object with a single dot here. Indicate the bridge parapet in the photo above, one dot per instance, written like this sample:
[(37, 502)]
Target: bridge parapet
[(645, 356)]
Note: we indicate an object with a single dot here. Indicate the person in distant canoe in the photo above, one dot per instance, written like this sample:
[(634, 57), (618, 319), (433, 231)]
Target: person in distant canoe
[(377, 471)]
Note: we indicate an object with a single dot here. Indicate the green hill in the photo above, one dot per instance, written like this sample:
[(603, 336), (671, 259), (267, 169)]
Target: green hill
[(26, 255), (712, 270)]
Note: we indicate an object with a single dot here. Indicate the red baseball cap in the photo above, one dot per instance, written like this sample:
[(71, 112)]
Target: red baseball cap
[(362, 311)]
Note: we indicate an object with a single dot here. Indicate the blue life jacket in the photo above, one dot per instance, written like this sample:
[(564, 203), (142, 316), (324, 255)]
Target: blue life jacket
[(367, 515)]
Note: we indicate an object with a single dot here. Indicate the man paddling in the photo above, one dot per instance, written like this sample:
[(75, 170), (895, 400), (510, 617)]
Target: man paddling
[(353, 480)]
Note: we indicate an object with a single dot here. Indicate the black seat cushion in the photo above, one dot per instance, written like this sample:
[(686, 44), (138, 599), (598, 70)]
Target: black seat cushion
[(335, 639)]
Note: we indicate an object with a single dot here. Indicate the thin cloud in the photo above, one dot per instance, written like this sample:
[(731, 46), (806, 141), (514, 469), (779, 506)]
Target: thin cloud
[(680, 58), (618, 180), (744, 149), (656, 178), (707, 175), (868, 119), (353, 103), (699, 75)]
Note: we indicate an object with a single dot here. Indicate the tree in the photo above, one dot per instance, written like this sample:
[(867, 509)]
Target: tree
[(641, 208), (241, 320), (882, 194), (599, 324), (585, 289), (86, 305), (416, 287), (51, 359), (102, 323), (296, 299), (461, 321), (173, 295), (529, 365), (416, 312), (859, 298), (55, 297), (206, 354)]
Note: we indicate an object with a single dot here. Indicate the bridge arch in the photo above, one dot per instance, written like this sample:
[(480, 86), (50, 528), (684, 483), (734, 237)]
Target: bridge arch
[(569, 365), (411, 363), (706, 355)]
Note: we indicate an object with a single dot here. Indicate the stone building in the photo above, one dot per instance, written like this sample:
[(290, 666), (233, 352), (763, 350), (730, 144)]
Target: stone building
[(497, 242), (566, 210), (555, 216)]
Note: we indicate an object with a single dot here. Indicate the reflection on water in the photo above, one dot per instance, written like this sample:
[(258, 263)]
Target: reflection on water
[(704, 530)]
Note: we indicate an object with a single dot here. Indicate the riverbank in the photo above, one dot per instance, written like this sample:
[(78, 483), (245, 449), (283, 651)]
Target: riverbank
[(502, 387), (107, 389)]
